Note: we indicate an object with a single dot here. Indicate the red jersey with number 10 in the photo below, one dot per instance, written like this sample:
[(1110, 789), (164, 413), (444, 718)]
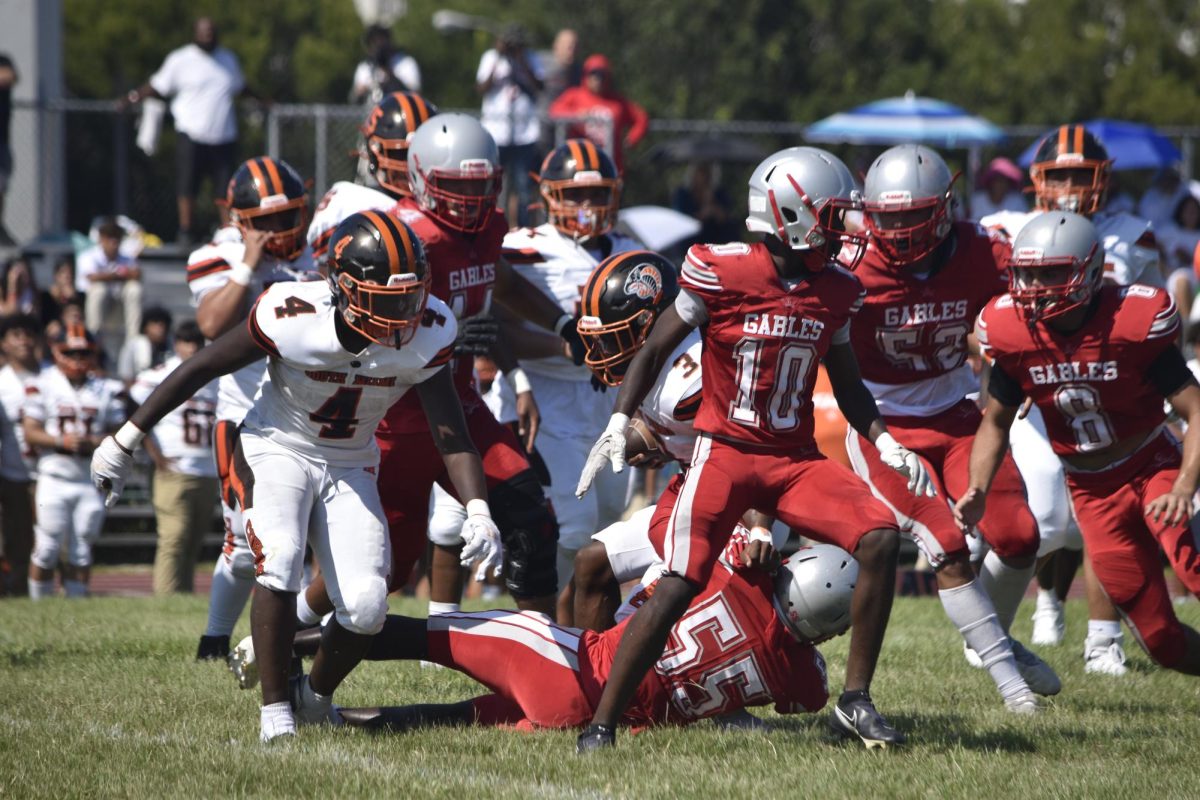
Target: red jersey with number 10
[(1091, 386), (763, 341)]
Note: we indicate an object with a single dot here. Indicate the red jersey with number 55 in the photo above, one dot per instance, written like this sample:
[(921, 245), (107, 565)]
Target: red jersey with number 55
[(1092, 386), (462, 267), (763, 340), (911, 335)]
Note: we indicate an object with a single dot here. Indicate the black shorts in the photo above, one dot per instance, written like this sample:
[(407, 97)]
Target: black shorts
[(194, 161)]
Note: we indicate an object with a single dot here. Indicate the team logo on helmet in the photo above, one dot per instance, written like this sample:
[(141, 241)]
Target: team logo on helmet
[(341, 245), (644, 281)]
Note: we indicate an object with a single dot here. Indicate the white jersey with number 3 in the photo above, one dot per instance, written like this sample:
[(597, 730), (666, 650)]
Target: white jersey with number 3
[(342, 200), (94, 408), (185, 436), (671, 404), (322, 401)]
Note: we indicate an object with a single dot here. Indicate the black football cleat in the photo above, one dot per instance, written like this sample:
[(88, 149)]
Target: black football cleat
[(594, 738), (855, 716), (213, 648)]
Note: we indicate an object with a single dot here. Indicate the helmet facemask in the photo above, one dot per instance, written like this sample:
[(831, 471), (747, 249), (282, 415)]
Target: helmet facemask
[(462, 198), (286, 220), (584, 206), (1038, 301), (611, 347), (387, 315), (1071, 183), (907, 230), (388, 160)]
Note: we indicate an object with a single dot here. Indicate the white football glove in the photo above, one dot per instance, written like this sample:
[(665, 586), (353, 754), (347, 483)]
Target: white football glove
[(610, 447), (111, 465), (906, 462), (481, 540)]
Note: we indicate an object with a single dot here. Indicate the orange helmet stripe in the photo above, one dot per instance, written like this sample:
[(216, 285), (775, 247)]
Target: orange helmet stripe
[(591, 303), (260, 180), (389, 241), (410, 113), (576, 152), (273, 174), (1064, 132), (593, 157), (422, 109)]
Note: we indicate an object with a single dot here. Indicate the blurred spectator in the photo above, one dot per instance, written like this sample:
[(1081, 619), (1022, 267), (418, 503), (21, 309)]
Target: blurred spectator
[(1178, 237), (8, 79), (134, 240), (18, 343), (70, 314), (18, 294), (386, 69), (562, 69), (619, 122), (702, 197), (998, 189), (1119, 201), (148, 349), (106, 277), (509, 80), (1159, 201), (185, 475), (62, 291), (202, 80)]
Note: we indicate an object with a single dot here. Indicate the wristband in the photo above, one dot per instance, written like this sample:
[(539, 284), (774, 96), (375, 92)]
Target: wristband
[(562, 322), (129, 437), (478, 508), (518, 380), (241, 273)]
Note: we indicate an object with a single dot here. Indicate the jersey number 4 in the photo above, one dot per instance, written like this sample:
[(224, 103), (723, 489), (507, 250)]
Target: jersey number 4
[(336, 416), (792, 367), (294, 306)]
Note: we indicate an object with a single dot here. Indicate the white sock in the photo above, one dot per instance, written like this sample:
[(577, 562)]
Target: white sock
[(274, 720), (1005, 586), (970, 610), (1047, 598), (436, 608), (40, 589), (75, 589), (304, 613), (227, 599), (1104, 629)]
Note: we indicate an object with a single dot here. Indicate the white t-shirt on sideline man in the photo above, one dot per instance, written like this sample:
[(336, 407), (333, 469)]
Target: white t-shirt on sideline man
[(202, 87)]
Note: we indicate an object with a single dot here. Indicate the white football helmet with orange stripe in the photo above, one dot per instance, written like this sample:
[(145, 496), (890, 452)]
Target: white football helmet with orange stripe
[(267, 194), (800, 196), (380, 277)]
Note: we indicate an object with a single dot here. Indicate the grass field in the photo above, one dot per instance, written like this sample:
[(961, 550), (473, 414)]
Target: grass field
[(101, 699)]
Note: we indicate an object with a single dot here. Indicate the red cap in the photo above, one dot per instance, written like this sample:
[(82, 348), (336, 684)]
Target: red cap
[(596, 63)]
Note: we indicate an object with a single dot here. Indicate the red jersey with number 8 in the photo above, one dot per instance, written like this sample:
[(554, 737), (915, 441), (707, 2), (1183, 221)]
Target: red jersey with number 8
[(1091, 386), (763, 341)]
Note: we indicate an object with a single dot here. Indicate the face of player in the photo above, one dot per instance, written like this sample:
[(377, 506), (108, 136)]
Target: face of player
[(17, 345), (1044, 277), (1068, 188), (75, 364), (900, 220)]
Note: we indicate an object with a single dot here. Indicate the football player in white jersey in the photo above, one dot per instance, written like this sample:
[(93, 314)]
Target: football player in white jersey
[(387, 130), (18, 463), (68, 409), (262, 245), (306, 457), (1070, 172), (581, 188)]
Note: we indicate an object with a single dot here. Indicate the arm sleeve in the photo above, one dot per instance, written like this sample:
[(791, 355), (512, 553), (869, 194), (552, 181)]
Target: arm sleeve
[(842, 334), (486, 63), (691, 308), (1004, 387), (1169, 372)]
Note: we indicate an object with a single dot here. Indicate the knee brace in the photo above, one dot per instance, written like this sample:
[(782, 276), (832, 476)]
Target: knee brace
[(530, 535), (364, 606)]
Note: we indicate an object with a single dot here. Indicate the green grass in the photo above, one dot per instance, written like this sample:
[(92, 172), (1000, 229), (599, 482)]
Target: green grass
[(101, 699)]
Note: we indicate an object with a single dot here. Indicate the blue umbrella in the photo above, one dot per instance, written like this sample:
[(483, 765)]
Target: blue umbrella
[(905, 119), (1130, 145)]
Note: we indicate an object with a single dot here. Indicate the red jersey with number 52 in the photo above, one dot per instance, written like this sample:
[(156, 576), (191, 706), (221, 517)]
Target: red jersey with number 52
[(1091, 386), (763, 341), (911, 335), (463, 271)]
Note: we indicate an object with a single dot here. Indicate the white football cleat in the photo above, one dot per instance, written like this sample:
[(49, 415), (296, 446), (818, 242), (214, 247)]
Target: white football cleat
[(1049, 621), (242, 664), (1037, 673), (1104, 655)]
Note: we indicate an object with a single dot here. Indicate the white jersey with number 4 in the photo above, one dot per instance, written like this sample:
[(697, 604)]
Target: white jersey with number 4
[(94, 408), (185, 436), (1130, 255), (671, 404), (208, 270), (322, 401), (342, 200)]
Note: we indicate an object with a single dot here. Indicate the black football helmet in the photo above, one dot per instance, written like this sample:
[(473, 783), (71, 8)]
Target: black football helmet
[(621, 300), (1070, 171), (387, 130), (75, 351), (380, 277), (582, 189), (266, 194)]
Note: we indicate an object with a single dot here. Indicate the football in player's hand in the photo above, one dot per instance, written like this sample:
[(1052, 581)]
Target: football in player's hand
[(642, 447)]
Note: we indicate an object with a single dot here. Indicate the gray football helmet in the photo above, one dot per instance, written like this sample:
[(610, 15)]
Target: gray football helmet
[(1055, 240), (814, 586), (454, 170), (800, 195), (908, 197)]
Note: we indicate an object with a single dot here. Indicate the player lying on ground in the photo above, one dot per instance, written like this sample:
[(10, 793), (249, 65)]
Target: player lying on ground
[(745, 640), (340, 354), (1098, 361)]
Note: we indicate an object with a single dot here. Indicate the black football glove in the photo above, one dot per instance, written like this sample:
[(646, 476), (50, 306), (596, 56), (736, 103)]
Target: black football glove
[(570, 335), (476, 336)]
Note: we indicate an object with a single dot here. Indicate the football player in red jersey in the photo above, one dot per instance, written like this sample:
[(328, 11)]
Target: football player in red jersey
[(927, 277), (769, 312), (1098, 361), (544, 675)]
